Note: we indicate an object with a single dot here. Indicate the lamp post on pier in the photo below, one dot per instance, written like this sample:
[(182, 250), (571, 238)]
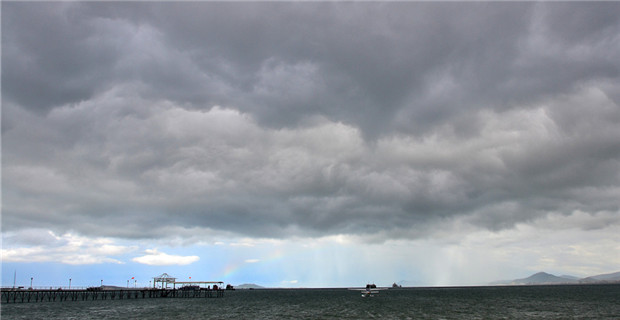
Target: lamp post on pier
[(102, 283), (31, 282), (69, 283)]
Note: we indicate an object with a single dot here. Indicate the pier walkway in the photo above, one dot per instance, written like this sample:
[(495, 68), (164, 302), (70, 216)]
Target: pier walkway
[(49, 295)]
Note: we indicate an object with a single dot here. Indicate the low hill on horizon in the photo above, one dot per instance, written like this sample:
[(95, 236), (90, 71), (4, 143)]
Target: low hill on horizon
[(602, 278), (543, 278), (249, 286)]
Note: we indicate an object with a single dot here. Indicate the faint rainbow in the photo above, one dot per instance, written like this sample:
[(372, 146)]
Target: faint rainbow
[(236, 266)]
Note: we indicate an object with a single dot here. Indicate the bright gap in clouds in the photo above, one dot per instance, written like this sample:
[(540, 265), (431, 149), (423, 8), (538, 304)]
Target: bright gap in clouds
[(156, 258), (460, 256)]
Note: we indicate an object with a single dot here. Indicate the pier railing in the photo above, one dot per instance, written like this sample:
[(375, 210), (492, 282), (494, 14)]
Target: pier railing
[(74, 288), (45, 288)]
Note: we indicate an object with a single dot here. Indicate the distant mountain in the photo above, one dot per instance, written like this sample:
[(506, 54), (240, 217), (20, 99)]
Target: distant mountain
[(608, 276), (602, 278), (542, 278), (249, 286)]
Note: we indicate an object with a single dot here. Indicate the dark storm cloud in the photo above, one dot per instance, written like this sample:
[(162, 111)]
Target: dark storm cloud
[(385, 62), (274, 119), (49, 60)]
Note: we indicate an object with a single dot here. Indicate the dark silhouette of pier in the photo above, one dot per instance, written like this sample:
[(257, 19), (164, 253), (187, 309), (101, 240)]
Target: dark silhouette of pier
[(10, 295)]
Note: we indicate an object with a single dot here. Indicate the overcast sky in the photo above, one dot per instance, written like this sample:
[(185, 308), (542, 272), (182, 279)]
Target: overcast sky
[(309, 144)]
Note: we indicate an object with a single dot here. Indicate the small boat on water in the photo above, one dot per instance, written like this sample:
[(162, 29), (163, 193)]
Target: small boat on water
[(370, 291)]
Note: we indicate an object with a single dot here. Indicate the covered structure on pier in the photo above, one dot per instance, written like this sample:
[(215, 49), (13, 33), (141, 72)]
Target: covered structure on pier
[(164, 279)]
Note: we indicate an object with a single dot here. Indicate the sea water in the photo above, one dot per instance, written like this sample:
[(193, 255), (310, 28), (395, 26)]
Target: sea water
[(512, 302)]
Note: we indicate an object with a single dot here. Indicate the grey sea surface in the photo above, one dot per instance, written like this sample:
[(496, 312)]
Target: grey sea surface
[(511, 302)]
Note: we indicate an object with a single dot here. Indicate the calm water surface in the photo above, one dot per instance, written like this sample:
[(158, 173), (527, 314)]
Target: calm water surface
[(538, 302)]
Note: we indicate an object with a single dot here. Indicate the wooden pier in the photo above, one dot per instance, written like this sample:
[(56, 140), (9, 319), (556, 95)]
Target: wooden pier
[(49, 295)]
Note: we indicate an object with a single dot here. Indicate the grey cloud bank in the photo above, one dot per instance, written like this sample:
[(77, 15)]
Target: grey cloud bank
[(308, 119)]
